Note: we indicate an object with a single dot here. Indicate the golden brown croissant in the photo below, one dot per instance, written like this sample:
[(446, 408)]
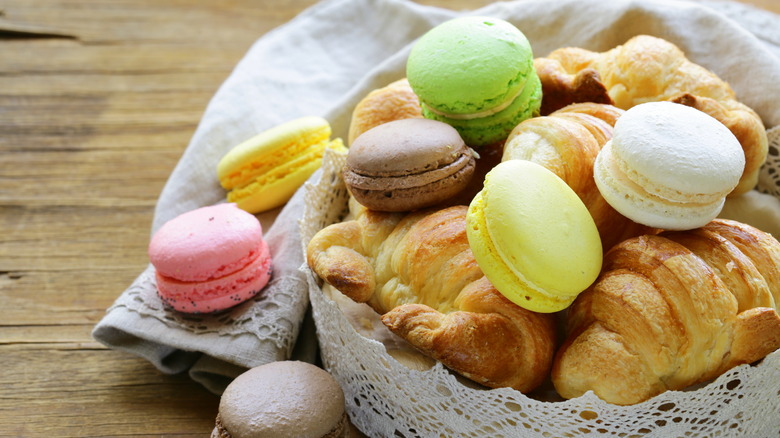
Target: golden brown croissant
[(567, 143), (671, 310), (649, 69), (393, 102), (417, 271)]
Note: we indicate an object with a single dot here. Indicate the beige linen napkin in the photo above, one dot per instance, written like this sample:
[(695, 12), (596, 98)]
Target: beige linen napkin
[(321, 63)]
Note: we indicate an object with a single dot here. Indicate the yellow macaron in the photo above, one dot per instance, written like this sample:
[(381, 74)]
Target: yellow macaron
[(264, 171), (533, 237)]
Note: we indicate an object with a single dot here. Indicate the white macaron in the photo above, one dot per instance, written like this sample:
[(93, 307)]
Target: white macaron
[(669, 166)]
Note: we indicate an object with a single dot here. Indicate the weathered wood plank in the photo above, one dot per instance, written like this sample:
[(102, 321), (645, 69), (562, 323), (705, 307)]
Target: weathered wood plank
[(98, 99), (79, 395)]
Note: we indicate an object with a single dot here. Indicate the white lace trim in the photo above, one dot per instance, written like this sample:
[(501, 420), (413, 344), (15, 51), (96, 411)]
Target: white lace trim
[(385, 398), (272, 315), (769, 177)]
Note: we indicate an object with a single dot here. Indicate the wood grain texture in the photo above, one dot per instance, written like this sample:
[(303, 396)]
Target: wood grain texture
[(98, 99)]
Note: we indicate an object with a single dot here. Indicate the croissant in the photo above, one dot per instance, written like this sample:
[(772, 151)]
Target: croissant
[(672, 310), (647, 69), (417, 271), (567, 142), (393, 102)]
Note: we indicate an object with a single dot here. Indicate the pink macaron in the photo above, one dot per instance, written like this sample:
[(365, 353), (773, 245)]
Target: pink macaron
[(210, 259)]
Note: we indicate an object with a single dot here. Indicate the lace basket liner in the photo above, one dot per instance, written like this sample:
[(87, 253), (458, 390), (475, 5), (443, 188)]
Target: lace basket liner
[(385, 398)]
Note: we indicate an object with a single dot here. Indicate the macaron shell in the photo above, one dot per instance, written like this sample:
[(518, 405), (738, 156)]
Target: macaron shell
[(218, 293), (470, 64), (675, 150), (275, 187), (532, 237), (668, 166), (405, 147), (636, 203), (412, 198), (283, 399), (483, 131), (408, 164), (205, 243), (462, 162), (269, 149)]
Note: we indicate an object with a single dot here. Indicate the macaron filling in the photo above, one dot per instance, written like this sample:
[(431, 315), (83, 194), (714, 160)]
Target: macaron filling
[(254, 195), (205, 243), (634, 201), (496, 127), (362, 180), (217, 293), (476, 74), (408, 164), (261, 153), (209, 259), (669, 166), (412, 198), (478, 114)]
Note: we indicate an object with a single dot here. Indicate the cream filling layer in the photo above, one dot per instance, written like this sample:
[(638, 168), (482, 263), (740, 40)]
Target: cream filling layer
[(478, 115), (369, 182)]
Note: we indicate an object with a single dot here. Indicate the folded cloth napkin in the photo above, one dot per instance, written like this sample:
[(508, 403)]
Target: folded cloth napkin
[(321, 63)]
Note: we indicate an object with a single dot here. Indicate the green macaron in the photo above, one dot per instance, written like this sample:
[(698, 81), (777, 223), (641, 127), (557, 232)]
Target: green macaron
[(476, 74)]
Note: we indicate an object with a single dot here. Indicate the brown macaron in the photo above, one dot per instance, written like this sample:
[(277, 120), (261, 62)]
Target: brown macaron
[(408, 164), (282, 399)]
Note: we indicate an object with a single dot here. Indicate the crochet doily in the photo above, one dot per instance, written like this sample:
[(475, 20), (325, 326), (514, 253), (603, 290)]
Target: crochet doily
[(769, 178), (385, 398), (271, 315)]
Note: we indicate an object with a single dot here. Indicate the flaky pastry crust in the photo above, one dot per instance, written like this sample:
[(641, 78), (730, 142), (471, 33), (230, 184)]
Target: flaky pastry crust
[(650, 69), (567, 142), (672, 310), (395, 101), (417, 271)]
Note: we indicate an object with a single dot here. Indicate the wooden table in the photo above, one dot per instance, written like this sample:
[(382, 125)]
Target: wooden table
[(98, 99)]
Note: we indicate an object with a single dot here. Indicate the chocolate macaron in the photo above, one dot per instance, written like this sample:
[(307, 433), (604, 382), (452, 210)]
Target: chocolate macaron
[(408, 164), (283, 399)]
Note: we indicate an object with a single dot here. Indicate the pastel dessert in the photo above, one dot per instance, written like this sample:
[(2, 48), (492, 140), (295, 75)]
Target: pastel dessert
[(408, 164), (650, 69), (669, 166), (395, 101), (567, 142), (264, 172), (533, 237), (282, 399), (476, 74), (210, 259)]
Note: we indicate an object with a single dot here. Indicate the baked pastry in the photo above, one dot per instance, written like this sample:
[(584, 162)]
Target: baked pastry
[(668, 166), (476, 74), (649, 69), (408, 164), (672, 310), (418, 272), (567, 142), (396, 101)]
